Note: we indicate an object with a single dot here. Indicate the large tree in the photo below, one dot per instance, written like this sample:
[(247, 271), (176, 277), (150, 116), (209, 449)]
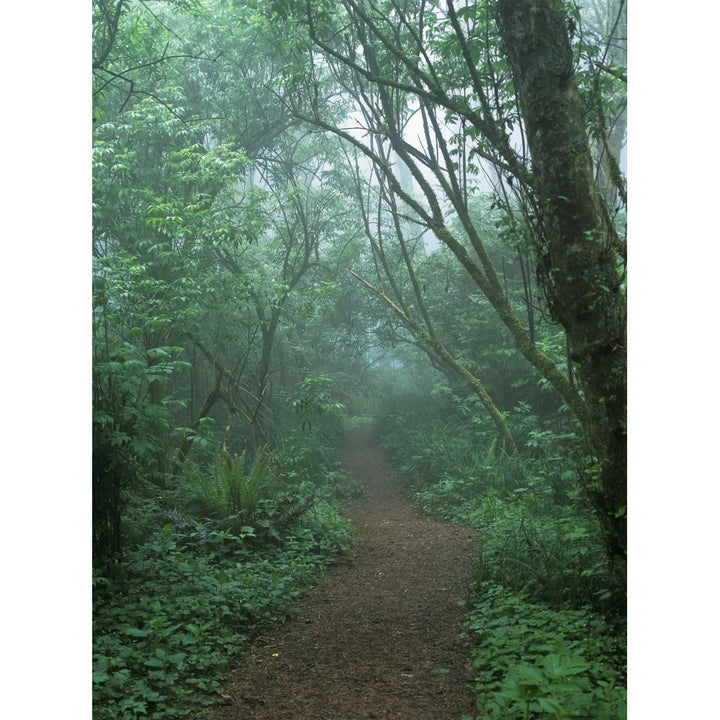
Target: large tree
[(582, 266), (456, 97)]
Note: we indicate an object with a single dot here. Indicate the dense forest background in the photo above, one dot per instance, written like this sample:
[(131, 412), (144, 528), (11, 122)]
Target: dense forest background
[(231, 346), (268, 153)]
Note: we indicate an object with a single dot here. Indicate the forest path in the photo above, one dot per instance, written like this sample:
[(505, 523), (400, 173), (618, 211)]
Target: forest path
[(380, 637)]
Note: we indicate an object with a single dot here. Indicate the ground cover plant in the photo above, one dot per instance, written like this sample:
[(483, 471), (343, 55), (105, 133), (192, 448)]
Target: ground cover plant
[(229, 552), (537, 661), (546, 614)]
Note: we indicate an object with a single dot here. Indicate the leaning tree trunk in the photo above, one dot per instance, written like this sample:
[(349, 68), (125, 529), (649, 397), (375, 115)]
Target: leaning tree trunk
[(577, 253)]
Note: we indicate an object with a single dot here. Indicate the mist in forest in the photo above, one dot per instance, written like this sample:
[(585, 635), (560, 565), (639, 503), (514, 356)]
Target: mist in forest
[(313, 218)]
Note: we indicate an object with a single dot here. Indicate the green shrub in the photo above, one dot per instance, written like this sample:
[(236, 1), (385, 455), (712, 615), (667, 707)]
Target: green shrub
[(219, 555), (535, 537), (557, 560), (304, 456)]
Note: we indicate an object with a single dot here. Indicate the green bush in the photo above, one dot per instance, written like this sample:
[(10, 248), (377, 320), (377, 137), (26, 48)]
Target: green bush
[(305, 456), (535, 535), (557, 560), (230, 492)]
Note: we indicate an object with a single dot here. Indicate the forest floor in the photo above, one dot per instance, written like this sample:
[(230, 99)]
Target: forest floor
[(380, 637)]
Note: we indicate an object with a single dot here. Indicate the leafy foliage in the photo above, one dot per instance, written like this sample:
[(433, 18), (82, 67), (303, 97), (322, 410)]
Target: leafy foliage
[(222, 221), (191, 589), (231, 493), (538, 534), (532, 661), (309, 455), (187, 602), (132, 414), (546, 614)]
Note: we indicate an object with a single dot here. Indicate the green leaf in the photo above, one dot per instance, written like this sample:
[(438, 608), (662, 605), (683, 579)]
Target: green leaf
[(550, 705), (177, 658), (135, 632), (562, 665)]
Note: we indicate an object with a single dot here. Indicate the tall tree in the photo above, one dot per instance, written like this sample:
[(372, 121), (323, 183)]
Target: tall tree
[(465, 94), (207, 189), (395, 251), (582, 265)]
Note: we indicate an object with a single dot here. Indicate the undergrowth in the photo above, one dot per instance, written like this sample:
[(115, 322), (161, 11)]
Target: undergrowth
[(228, 552), (546, 615), (534, 661)]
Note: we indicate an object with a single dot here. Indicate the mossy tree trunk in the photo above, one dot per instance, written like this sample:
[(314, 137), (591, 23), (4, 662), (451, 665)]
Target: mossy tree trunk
[(390, 60), (580, 257)]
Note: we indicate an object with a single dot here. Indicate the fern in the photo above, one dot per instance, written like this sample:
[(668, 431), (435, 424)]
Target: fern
[(207, 487), (233, 495)]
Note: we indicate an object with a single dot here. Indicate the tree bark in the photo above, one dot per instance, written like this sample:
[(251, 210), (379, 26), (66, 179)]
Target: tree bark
[(577, 252)]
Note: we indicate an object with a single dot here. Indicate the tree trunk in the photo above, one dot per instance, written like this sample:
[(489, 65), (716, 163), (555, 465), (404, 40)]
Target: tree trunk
[(578, 262), (213, 396)]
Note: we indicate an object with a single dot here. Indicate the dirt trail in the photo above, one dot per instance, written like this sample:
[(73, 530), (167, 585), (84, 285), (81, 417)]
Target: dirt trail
[(380, 638)]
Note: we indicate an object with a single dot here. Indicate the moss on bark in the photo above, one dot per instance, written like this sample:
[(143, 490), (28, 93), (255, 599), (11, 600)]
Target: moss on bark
[(579, 268)]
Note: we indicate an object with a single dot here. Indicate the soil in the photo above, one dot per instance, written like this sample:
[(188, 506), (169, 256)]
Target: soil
[(380, 637)]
